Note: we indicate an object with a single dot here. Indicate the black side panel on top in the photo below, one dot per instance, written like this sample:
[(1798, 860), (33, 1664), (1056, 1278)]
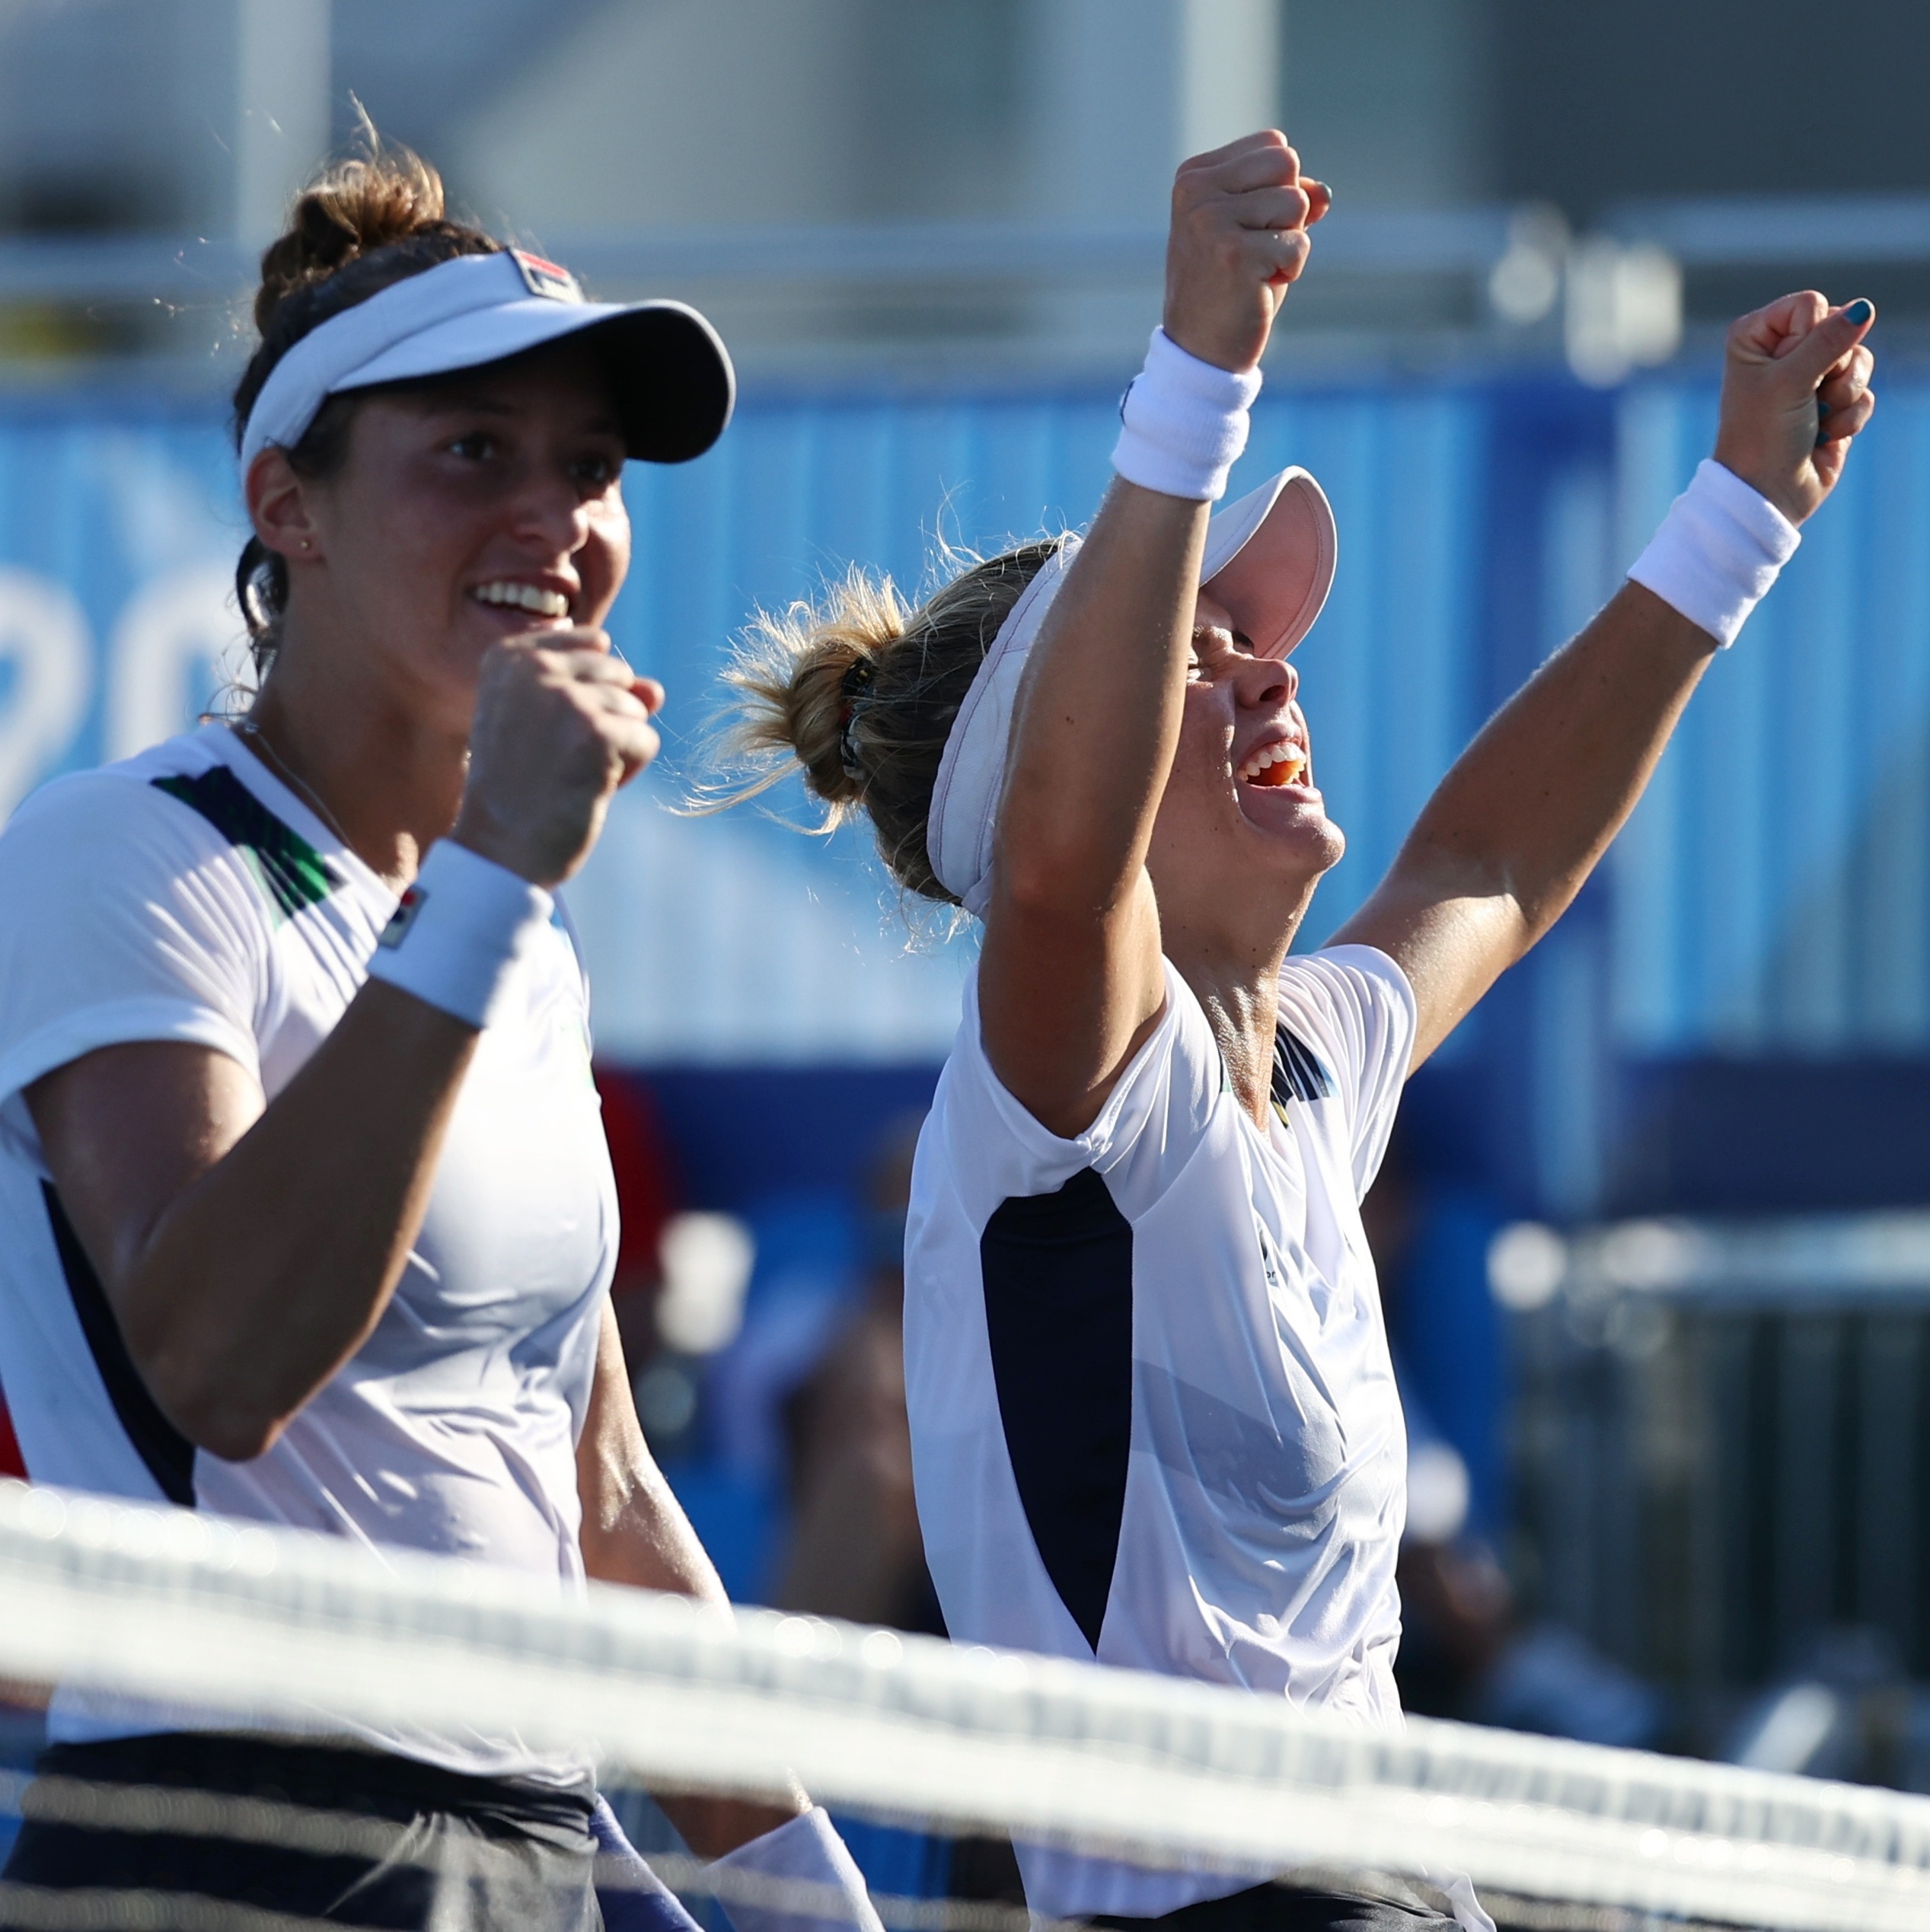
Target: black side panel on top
[(168, 1454), (1058, 1275), (1298, 1072)]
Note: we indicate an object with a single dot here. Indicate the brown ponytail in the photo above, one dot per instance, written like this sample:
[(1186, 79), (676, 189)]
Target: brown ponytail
[(861, 694), (361, 225)]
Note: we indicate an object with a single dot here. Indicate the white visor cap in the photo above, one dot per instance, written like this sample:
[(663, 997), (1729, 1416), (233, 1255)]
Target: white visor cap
[(674, 384), (1269, 561)]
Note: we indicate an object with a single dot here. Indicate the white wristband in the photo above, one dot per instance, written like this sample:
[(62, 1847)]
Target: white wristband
[(813, 1882), (1183, 423), (1718, 550), (456, 935)]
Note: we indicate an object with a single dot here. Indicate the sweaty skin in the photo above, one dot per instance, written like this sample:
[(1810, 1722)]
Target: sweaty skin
[(1139, 820)]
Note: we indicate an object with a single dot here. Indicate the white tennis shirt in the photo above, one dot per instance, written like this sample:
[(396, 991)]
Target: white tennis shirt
[(1153, 1420), (187, 895)]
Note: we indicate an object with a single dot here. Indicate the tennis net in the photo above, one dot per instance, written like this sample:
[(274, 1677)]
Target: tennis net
[(952, 1745)]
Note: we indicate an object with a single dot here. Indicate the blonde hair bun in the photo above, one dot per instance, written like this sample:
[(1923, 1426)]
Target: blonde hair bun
[(860, 693)]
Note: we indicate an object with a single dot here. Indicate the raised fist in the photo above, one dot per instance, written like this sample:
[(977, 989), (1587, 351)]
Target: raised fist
[(1239, 238), (1783, 362), (561, 722)]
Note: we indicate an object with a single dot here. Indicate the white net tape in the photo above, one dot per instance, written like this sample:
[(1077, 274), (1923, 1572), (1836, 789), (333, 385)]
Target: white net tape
[(273, 1625)]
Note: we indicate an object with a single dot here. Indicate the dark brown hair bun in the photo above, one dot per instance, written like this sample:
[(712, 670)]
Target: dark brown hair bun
[(357, 206), (362, 225)]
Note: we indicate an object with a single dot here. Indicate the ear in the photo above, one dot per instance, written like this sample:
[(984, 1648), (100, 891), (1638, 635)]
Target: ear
[(278, 507)]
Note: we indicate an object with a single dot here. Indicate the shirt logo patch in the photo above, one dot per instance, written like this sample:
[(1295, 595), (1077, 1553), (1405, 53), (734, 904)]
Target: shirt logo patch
[(546, 278), (397, 930)]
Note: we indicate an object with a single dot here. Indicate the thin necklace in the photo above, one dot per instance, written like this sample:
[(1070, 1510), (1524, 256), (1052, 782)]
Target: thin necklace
[(247, 727)]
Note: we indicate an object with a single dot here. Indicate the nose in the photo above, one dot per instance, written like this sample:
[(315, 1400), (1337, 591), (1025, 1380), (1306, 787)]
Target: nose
[(551, 514), (1266, 682)]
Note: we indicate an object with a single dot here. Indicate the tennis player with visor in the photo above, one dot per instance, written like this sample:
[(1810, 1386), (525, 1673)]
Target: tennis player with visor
[(1152, 1415), (306, 1214)]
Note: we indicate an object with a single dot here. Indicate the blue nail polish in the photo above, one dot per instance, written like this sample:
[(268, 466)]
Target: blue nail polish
[(1822, 407), (1859, 312)]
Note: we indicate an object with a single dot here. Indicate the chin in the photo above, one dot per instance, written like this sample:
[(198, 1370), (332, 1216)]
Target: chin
[(1292, 861), (1301, 867), (1290, 821), (1327, 845)]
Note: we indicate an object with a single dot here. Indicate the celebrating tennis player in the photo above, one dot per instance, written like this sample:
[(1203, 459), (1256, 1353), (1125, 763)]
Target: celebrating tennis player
[(1152, 1415), (306, 1215)]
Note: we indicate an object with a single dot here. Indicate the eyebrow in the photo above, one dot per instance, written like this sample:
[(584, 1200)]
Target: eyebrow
[(477, 402)]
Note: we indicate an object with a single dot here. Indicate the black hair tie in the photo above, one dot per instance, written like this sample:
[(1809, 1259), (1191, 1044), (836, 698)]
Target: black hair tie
[(855, 686)]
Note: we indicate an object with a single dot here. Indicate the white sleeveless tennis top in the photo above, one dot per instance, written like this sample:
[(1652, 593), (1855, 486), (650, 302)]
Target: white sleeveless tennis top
[(186, 894), (1154, 1419)]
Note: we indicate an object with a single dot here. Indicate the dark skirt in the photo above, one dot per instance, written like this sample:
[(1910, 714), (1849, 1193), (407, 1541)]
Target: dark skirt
[(1382, 1905), (331, 1832)]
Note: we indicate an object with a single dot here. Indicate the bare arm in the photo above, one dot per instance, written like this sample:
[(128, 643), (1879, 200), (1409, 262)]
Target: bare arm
[(634, 1529), (635, 1532), (1517, 825), (1505, 844), (247, 1249), (247, 1254), (1070, 980)]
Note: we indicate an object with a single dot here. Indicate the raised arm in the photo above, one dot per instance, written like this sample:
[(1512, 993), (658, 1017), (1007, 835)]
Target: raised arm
[(1070, 981), (1505, 844)]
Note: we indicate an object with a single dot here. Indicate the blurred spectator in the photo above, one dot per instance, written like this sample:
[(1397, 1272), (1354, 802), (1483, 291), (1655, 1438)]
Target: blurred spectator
[(1846, 1710), (856, 1550), (712, 1401), (10, 1462), (647, 1195), (807, 1276), (1549, 1679), (1465, 1652), (1430, 1238)]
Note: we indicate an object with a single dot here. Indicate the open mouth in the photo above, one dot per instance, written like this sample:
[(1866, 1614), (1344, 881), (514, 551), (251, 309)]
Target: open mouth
[(508, 595), (1274, 765)]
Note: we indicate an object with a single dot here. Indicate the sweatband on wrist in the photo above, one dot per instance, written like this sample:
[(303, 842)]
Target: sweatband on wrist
[(460, 929), (1183, 423), (811, 1881), (1718, 550)]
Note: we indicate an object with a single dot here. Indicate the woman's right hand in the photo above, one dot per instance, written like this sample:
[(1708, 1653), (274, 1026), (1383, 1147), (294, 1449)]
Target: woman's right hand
[(561, 724), (1238, 240)]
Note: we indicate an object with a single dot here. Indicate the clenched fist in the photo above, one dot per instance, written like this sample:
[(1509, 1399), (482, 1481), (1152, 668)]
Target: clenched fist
[(1239, 239), (1783, 362), (561, 724)]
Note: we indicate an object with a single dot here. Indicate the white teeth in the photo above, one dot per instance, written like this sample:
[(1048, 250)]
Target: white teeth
[(523, 597), (1269, 756)]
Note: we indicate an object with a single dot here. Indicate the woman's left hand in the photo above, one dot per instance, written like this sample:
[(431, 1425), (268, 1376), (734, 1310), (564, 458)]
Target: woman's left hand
[(1782, 362), (1513, 830)]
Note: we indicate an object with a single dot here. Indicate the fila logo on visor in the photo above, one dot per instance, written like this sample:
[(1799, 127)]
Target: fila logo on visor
[(543, 278)]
